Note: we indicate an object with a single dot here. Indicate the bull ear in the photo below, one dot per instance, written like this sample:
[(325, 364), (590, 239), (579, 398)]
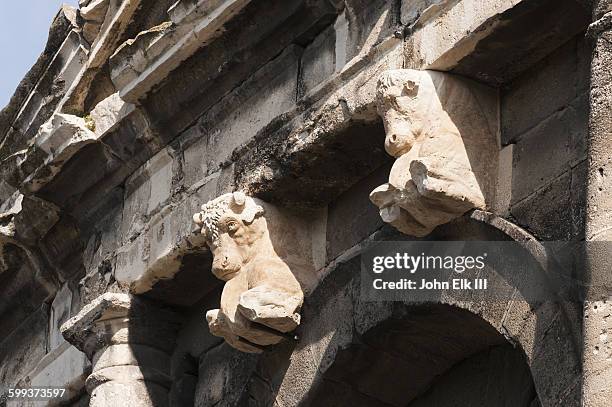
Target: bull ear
[(251, 212)]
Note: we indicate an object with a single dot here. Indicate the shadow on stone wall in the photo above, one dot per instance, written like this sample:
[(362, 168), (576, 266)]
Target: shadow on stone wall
[(352, 352)]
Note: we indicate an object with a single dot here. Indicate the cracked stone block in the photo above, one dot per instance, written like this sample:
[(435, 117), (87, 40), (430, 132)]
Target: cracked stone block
[(147, 190)]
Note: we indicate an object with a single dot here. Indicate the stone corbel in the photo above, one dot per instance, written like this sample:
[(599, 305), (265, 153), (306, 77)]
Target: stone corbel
[(256, 251), (441, 130), (129, 341)]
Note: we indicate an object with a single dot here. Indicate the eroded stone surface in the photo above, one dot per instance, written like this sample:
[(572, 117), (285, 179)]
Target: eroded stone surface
[(93, 14), (438, 134), (146, 60), (261, 291), (61, 137)]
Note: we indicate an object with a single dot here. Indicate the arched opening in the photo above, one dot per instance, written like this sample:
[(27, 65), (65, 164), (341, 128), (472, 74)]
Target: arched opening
[(434, 355)]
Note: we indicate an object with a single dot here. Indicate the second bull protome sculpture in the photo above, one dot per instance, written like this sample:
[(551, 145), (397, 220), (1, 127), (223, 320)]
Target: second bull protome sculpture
[(444, 143), (261, 298)]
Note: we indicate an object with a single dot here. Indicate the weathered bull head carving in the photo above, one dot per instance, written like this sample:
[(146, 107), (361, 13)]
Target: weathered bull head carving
[(261, 298), (432, 180)]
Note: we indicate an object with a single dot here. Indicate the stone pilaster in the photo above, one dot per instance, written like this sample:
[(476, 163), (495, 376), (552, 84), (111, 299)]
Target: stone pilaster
[(129, 341), (597, 365)]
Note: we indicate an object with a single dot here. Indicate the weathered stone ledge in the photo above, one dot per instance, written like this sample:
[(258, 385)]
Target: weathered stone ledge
[(61, 28), (138, 65), (465, 38), (102, 48)]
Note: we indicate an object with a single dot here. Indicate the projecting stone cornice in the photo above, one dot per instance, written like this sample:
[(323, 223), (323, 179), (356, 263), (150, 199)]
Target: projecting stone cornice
[(40, 92), (61, 138), (57, 141), (24, 220), (465, 36), (111, 28), (139, 64), (92, 15)]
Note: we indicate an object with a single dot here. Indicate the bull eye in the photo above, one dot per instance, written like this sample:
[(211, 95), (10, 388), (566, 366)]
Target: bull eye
[(232, 227)]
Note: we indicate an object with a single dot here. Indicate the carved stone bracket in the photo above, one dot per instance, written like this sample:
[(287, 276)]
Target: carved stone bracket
[(262, 268), (129, 341), (440, 130)]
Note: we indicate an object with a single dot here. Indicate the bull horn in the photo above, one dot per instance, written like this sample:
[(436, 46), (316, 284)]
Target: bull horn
[(239, 198)]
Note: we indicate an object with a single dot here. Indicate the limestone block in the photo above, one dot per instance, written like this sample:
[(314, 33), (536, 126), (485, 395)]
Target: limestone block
[(23, 222), (108, 113), (139, 64), (222, 373), (543, 90), (60, 312), (94, 11), (549, 149), (368, 22), (58, 140), (547, 212), (104, 241), (447, 30), (93, 15), (63, 367), (194, 167), (147, 190), (26, 219), (265, 269), (133, 56), (351, 218), (22, 349), (156, 249), (441, 131), (269, 93)]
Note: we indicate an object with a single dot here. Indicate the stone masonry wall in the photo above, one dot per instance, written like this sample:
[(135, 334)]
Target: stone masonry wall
[(207, 132), (544, 119)]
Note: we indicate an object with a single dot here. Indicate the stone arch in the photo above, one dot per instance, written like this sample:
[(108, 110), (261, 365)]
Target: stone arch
[(548, 330), (407, 359), (339, 328)]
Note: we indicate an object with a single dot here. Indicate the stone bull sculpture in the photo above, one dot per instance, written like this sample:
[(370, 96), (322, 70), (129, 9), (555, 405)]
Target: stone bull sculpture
[(261, 298), (440, 136)]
